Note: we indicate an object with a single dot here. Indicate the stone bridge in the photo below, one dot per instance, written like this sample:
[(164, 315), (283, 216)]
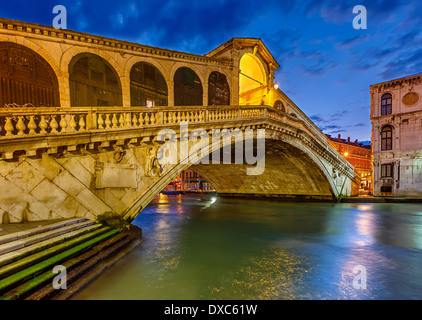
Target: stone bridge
[(80, 117)]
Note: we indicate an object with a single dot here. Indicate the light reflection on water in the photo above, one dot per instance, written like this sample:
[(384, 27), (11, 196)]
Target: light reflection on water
[(203, 248)]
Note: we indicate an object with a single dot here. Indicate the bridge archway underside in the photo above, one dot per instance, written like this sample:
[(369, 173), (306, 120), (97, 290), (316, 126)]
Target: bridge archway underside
[(87, 161)]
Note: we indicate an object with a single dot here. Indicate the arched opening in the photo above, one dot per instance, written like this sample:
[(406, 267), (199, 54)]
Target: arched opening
[(26, 78), (291, 172), (218, 90), (252, 83), (148, 88), (189, 182), (93, 82), (387, 138), (279, 106), (187, 88), (386, 104)]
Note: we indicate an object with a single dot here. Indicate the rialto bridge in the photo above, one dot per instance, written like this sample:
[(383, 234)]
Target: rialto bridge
[(80, 119)]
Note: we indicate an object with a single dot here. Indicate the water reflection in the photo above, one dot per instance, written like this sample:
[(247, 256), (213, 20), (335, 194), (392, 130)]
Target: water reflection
[(207, 248)]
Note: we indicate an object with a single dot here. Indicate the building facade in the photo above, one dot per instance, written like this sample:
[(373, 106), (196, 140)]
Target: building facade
[(189, 181), (359, 156), (396, 114)]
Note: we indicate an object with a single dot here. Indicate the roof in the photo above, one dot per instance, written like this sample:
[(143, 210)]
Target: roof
[(263, 50), (409, 77)]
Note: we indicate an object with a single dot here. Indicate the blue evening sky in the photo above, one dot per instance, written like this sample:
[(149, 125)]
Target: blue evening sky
[(326, 65)]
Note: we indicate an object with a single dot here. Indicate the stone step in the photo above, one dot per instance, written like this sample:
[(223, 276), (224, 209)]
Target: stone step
[(16, 285), (82, 228), (16, 272), (30, 232), (38, 237), (41, 288)]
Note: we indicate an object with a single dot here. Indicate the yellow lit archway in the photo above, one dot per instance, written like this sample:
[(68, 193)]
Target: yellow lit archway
[(252, 80)]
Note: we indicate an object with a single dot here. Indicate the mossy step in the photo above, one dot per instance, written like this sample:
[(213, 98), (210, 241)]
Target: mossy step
[(41, 287), (27, 241), (30, 232), (49, 263), (40, 246), (8, 272)]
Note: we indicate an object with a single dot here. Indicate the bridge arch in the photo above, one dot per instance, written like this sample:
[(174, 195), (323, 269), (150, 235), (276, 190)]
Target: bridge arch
[(93, 82), (293, 170)]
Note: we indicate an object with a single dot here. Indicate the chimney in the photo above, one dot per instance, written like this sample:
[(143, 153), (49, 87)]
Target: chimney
[(339, 137), (356, 142), (348, 139)]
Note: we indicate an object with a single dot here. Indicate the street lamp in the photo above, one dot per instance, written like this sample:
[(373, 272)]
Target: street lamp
[(276, 86)]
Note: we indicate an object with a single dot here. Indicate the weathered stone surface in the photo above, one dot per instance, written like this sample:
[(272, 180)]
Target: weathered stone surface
[(49, 193), (116, 176)]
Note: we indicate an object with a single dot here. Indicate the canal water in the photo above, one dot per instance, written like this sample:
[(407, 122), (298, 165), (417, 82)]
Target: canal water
[(200, 247)]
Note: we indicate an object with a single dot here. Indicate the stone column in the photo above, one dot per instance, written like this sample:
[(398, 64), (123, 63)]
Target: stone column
[(170, 86), (205, 93)]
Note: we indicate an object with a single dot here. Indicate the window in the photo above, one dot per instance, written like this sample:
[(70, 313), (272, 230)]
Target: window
[(386, 138), (279, 106), (386, 189), (386, 100), (150, 103), (387, 170)]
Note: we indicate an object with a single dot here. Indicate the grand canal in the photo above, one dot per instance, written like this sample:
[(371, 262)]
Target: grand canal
[(200, 247)]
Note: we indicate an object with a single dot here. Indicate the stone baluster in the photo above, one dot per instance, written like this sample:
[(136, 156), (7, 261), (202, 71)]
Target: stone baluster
[(53, 124), (21, 126), (73, 123), (114, 121), (8, 127), (63, 123), (128, 120), (32, 126), (141, 120), (165, 118), (108, 121), (146, 119), (82, 123), (174, 117), (43, 125), (135, 120), (153, 118), (122, 117), (100, 121)]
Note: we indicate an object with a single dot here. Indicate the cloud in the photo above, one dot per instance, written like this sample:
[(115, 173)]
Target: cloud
[(351, 42)]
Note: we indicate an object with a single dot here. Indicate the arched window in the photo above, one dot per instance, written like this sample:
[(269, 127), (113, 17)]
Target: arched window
[(93, 82), (293, 115), (26, 78), (187, 88), (218, 90), (147, 86), (387, 138), (279, 106), (386, 102)]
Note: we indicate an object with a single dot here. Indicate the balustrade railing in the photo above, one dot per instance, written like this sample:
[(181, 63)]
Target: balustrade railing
[(30, 121), (49, 121)]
